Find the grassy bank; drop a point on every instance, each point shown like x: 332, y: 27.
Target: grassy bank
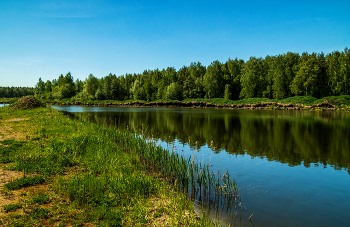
x: 8, y: 100
x: 77, y: 173
x: 300, y: 100
x: 306, y: 102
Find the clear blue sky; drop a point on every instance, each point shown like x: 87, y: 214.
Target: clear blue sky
x: 48, y: 38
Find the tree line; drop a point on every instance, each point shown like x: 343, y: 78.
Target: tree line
x: 274, y: 77
x: 15, y: 92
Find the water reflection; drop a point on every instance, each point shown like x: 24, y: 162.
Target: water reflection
x: 290, y: 137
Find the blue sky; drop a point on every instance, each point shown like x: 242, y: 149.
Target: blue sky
x: 48, y: 38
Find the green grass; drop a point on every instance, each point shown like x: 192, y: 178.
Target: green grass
x: 47, y: 164
x: 41, y: 199
x: 11, y: 207
x: 303, y: 100
x: 341, y: 101
x: 39, y: 213
x: 7, y: 148
x: 160, y: 212
x: 24, y: 182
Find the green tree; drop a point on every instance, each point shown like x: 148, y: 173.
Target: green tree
x: 39, y: 89
x: 99, y: 94
x: 232, y: 73
x: 107, y: 86
x: 48, y: 90
x: 91, y: 85
x: 344, y: 62
x: 67, y: 89
x: 267, y: 77
x: 60, y: 81
x: 304, y: 82
x: 79, y: 86
x: 116, y: 89
x: 322, y: 88
x: 227, y: 94
x: 174, y: 92
x: 333, y: 72
x: 279, y: 87
x: 11, y: 92
x: 48, y: 86
x: 213, y: 79
x: 190, y: 88
x: 252, y: 78
x: 138, y: 91
x: 182, y: 75
x: 170, y: 75
x: 290, y: 63
x: 149, y: 86
x: 127, y: 84
x: 193, y: 85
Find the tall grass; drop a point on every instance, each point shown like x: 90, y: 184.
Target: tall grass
x: 194, y: 178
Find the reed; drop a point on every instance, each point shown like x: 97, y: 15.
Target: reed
x: 186, y: 174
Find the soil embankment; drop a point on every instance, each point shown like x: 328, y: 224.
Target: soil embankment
x: 193, y: 104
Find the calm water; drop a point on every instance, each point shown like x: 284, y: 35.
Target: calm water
x: 292, y: 167
x: 1, y: 104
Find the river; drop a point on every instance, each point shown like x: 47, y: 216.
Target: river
x: 291, y: 167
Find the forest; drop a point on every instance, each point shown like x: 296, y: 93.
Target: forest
x: 15, y: 92
x: 274, y: 77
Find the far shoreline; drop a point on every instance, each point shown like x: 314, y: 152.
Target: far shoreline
x: 194, y: 104
x: 309, y: 103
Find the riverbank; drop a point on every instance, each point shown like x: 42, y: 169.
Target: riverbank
x: 8, y: 100
x: 58, y: 171
x: 292, y: 103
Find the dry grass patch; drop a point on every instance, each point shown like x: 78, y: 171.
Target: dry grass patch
x: 17, y: 119
x: 8, y: 197
x: 14, y: 128
x: 7, y: 132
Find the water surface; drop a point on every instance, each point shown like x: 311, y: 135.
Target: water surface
x: 292, y: 167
